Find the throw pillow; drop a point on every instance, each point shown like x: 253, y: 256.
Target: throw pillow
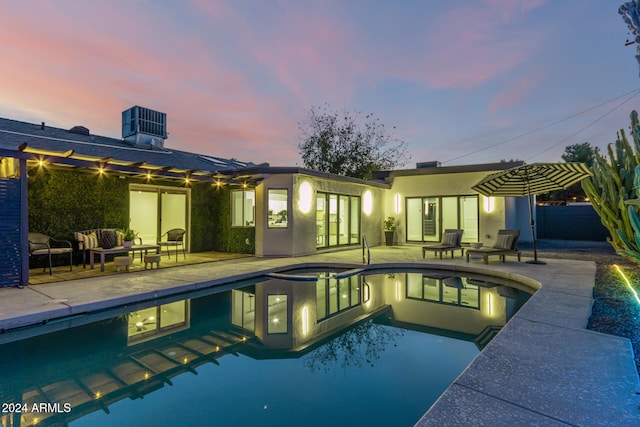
x: 86, y: 241
x: 90, y: 241
x: 108, y: 239
x: 449, y: 239
x: 503, y: 241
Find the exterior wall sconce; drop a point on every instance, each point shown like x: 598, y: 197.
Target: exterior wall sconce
x: 305, y: 320
x: 304, y: 202
x: 367, y: 202
x: 366, y: 294
x: 489, y: 204
x: 398, y: 207
x: 490, y: 305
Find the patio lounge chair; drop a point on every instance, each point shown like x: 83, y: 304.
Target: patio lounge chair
x: 43, y: 245
x: 175, y: 238
x: 506, y: 244
x: 450, y: 242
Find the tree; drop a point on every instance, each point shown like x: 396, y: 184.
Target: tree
x: 581, y: 153
x: 348, y: 144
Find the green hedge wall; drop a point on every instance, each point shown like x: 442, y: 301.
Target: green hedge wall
x: 61, y: 202
x: 209, y: 202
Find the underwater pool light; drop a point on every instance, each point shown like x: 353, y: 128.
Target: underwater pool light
x: 635, y: 294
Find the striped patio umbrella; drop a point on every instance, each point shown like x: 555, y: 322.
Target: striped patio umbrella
x: 527, y: 180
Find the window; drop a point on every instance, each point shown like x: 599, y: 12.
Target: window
x: 243, y: 204
x: 336, y: 295
x: 450, y: 290
x: 277, y: 314
x: 337, y: 220
x: 278, y: 208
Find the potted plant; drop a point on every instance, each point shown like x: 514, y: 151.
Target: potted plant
x: 389, y: 230
x: 129, y: 237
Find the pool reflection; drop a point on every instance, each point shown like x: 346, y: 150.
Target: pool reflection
x: 337, y: 323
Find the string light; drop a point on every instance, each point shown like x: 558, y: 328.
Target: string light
x: 633, y: 291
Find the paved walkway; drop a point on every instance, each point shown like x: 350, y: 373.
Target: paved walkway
x: 543, y: 368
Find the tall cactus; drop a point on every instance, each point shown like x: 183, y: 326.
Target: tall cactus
x: 614, y: 190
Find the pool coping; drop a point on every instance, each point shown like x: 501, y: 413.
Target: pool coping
x: 544, y: 367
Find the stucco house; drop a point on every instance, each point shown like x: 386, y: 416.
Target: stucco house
x: 59, y: 181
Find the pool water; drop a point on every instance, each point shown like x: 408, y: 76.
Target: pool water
x: 375, y: 349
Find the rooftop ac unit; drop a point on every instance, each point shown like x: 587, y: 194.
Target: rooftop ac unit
x: 142, y: 126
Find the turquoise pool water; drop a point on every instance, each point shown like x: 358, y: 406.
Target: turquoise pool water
x: 376, y: 349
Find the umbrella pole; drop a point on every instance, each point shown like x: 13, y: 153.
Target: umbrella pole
x: 533, y: 234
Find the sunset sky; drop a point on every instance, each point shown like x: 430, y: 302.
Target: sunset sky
x: 463, y: 81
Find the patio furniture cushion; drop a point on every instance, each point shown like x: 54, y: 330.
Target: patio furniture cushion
x: 506, y: 244
x: 87, y: 241
x: 449, y: 238
x: 450, y: 242
x: 503, y: 241
x: 119, y: 238
x: 108, y: 239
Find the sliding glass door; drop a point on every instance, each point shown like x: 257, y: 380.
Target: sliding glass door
x: 155, y: 210
x: 428, y: 217
x: 337, y: 220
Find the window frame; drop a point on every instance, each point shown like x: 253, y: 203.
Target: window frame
x: 287, y: 210
x: 440, y: 215
x: 244, y: 191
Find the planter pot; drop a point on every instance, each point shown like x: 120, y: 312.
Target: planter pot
x: 127, y: 243
x: 388, y: 237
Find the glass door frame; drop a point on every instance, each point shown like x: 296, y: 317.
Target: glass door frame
x: 353, y: 209
x: 159, y: 190
x: 439, y: 231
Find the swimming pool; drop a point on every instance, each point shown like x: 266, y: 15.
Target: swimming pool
x: 370, y: 349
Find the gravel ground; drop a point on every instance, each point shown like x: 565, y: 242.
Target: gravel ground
x: 615, y: 310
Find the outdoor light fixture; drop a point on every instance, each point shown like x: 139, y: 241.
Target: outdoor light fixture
x: 633, y: 291
x: 367, y: 202
x: 305, y: 192
x: 398, y: 290
x: 490, y: 305
x: 489, y: 204
x: 366, y: 297
x: 398, y: 203
x: 305, y: 320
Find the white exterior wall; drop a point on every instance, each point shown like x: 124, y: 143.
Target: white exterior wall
x: 299, y: 238
x: 449, y: 184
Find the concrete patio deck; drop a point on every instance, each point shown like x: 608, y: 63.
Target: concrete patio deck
x: 543, y: 368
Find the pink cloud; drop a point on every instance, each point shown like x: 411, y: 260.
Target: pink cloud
x: 472, y: 45
x: 512, y: 94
